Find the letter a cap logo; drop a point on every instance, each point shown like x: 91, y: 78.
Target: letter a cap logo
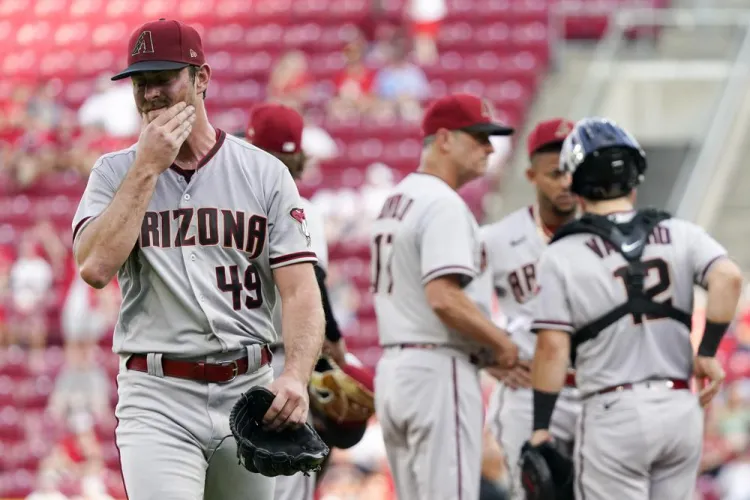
x: 161, y: 46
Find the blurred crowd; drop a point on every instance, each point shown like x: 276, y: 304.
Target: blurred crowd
x: 58, y: 328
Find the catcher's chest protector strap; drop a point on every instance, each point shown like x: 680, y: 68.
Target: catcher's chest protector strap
x: 630, y: 240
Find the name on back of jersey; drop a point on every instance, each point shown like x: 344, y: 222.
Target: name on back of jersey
x: 395, y: 207
x: 213, y: 227
x: 659, y: 236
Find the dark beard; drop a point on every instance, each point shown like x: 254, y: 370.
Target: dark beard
x: 564, y: 213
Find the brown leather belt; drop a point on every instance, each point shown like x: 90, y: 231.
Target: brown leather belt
x: 673, y: 384
x: 217, y: 373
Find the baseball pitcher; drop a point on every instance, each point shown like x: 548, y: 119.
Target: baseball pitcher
x: 426, y: 250
x: 277, y: 129
x: 200, y: 228
x: 514, y: 245
x: 615, y: 298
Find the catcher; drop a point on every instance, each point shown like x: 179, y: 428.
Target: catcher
x: 341, y: 391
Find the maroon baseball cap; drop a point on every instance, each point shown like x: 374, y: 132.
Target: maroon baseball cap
x: 275, y: 128
x: 548, y: 132
x: 465, y: 112
x: 163, y: 45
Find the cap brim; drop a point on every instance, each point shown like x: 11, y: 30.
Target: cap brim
x: 489, y: 129
x: 143, y: 66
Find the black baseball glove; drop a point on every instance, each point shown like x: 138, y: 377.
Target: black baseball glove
x: 546, y: 474
x: 271, y: 452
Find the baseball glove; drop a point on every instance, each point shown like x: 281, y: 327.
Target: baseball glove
x: 343, y: 394
x: 271, y: 452
x: 546, y: 474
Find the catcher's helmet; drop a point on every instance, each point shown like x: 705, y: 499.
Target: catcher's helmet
x: 605, y: 161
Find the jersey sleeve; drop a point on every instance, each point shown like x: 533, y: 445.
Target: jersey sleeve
x: 100, y: 189
x: 447, y: 243
x: 704, y: 252
x: 289, y: 236
x: 551, y: 307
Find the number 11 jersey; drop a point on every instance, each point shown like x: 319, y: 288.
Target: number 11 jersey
x: 424, y: 231
x: 199, y: 279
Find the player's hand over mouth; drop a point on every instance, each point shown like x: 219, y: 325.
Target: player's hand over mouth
x: 292, y: 402
x: 160, y: 140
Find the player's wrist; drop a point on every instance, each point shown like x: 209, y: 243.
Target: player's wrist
x: 713, y: 333
x: 544, y: 405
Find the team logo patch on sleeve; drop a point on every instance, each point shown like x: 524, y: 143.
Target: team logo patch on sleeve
x: 298, y: 215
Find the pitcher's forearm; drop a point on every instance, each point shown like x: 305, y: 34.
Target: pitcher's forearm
x: 108, y: 240
x: 302, y: 327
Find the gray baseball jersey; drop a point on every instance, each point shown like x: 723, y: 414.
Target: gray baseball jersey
x: 581, y: 278
x: 199, y: 280
x: 424, y: 231
x: 514, y: 245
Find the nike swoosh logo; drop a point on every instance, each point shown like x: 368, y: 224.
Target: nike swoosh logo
x: 631, y: 246
x: 518, y: 241
x: 608, y: 406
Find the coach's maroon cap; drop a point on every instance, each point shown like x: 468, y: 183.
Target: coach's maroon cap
x: 464, y: 112
x: 275, y: 128
x: 548, y: 132
x: 163, y: 45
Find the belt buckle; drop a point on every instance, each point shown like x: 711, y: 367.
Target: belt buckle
x: 235, y: 370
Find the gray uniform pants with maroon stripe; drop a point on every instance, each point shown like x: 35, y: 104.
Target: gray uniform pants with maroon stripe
x: 429, y: 404
x: 174, y: 438
x: 640, y: 444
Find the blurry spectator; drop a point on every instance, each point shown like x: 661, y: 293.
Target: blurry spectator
x: 13, y: 112
x: 426, y: 16
x: 99, y: 307
x: 354, y: 84
x: 31, y: 280
x: 318, y: 144
x: 47, y: 487
x: 378, y: 183
x: 44, y: 109
x: 48, y: 238
x: 289, y: 82
x: 78, y: 452
x: 111, y: 108
x: 344, y: 296
x: 733, y: 417
x: 93, y: 486
x: 386, y: 34
x: 402, y: 83
x: 81, y: 386
x: 734, y: 480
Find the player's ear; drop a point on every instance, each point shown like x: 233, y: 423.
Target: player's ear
x: 202, y: 77
x: 443, y: 140
x: 531, y: 174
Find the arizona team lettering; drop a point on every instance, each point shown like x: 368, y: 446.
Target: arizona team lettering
x: 659, y: 236
x: 184, y: 227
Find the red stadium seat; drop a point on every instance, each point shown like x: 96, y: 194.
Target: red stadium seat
x: 10, y: 424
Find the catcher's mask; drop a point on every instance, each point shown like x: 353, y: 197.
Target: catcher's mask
x: 341, y: 401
